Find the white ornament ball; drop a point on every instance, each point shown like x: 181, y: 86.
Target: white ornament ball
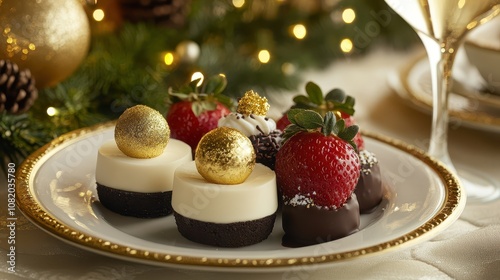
x: 188, y: 51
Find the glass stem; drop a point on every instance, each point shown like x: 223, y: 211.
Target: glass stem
x: 441, y: 57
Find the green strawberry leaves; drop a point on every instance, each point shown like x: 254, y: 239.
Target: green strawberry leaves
x: 215, y: 84
x: 309, y: 120
x: 335, y: 99
x: 306, y: 119
x: 199, y: 107
x: 203, y: 97
x: 314, y: 92
x: 340, y: 101
x: 349, y: 132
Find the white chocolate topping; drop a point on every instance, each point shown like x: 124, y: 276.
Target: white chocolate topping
x: 193, y: 197
x: 116, y: 170
x: 248, y: 124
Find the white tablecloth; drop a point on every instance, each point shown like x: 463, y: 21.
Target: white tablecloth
x: 469, y: 249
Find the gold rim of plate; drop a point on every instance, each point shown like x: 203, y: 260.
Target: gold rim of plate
x: 453, y: 201
x: 482, y: 46
x: 480, y: 118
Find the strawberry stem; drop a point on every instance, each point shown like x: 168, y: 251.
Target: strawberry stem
x: 203, y: 97
x: 311, y: 121
x: 334, y: 100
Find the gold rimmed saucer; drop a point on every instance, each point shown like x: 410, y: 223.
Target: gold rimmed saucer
x: 412, y: 83
x: 56, y: 191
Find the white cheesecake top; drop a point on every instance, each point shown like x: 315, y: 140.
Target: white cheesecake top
x: 193, y: 197
x: 116, y: 170
x: 248, y: 124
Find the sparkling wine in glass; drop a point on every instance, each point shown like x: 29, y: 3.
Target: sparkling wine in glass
x: 442, y: 26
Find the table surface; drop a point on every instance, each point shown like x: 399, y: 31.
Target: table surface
x: 468, y: 249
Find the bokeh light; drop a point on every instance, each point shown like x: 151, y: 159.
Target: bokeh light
x: 264, y: 56
x: 299, y: 31
x: 98, y: 14
x: 168, y: 58
x: 288, y: 68
x: 348, y: 15
x: 238, y: 3
x: 197, y: 75
x: 51, y: 111
x: 346, y: 45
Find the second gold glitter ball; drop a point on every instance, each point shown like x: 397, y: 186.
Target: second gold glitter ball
x: 225, y: 156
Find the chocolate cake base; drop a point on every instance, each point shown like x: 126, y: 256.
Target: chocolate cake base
x: 236, y: 234
x: 309, y: 225
x: 135, y: 204
x: 369, y: 190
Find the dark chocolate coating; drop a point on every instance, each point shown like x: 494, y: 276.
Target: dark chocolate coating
x: 369, y: 187
x: 309, y: 225
x: 236, y: 234
x: 135, y: 204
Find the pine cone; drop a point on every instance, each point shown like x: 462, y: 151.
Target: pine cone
x: 171, y: 13
x: 17, y: 88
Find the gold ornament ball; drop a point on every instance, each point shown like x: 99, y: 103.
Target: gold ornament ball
x: 49, y: 37
x: 142, y: 132
x: 225, y: 156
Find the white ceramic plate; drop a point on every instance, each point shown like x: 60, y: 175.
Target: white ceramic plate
x: 486, y: 57
x: 472, y: 109
x: 56, y: 191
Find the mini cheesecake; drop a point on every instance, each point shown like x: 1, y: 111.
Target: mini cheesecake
x: 224, y: 215
x: 138, y: 187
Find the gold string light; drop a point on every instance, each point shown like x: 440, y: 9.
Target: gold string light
x: 51, y: 111
x: 346, y: 45
x: 198, y: 75
x: 348, y: 15
x: 168, y: 58
x: 98, y: 14
x: 238, y: 3
x: 299, y: 31
x: 264, y: 56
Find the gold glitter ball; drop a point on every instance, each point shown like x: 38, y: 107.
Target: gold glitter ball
x: 142, y: 132
x: 225, y: 156
x: 253, y: 103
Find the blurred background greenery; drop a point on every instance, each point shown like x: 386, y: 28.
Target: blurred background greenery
x: 140, y: 48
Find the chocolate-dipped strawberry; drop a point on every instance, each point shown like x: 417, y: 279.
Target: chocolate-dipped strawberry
x: 317, y: 169
x: 336, y: 101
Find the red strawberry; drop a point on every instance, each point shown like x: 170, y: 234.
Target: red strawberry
x: 193, y: 113
x: 188, y: 127
x: 282, y: 123
x: 318, y: 162
x: 335, y: 100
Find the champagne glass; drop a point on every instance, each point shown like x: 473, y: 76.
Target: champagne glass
x: 442, y: 26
